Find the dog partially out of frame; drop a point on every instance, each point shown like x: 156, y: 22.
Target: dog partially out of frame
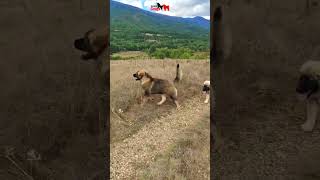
x: 152, y: 85
x: 93, y: 43
x: 308, y: 90
x: 206, y: 90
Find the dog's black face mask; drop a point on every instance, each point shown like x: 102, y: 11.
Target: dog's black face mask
x: 307, y: 85
x: 136, y: 76
x: 205, y: 88
x: 83, y: 44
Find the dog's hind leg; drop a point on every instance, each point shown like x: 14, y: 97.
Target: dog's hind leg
x: 163, y: 99
x: 312, y: 111
x: 175, y: 101
x: 143, y: 100
x: 177, y: 104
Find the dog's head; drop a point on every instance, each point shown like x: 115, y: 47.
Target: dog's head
x: 139, y: 74
x: 306, y: 86
x: 93, y: 43
x: 206, y: 87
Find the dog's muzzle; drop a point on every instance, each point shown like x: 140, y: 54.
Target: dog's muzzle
x: 206, y: 89
x: 136, y: 76
x: 80, y: 44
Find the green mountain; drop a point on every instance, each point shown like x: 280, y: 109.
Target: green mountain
x: 134, y: 29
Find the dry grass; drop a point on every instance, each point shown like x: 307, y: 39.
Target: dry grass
x: 187, y: 158
x: 48, y: 94
x: 125, y: 91
x: 190, y: 149
x: 131, y: 55
x: 261, y: 131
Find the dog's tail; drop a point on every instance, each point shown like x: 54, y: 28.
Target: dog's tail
x: 178, y: 74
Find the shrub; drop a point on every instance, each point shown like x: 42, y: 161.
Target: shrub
x: 115, y: 57
x: 180, y: 53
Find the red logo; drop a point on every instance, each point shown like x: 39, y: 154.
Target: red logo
x: 159, y: 7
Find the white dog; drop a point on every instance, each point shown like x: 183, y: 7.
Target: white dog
x: 308, y: 87
x: 206, y: 90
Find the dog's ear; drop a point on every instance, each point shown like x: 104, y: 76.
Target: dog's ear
x: 99, y: 41
x: 86, y: 34
x: 149, y: 76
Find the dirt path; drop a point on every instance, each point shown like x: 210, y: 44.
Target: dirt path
x: 153, y: 139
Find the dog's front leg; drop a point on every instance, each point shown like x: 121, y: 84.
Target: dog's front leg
x: 143, y: 100
x: 207, y: 98
x: 177, y: 104
x: 312, y: 111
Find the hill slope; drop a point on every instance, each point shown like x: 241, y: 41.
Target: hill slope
x: 136, y: 29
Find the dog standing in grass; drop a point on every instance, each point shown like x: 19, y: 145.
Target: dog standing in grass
x: 308, y: 90
x: 206, y: 90
x: 152, y: 85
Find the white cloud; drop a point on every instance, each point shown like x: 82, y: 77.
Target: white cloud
x: 181, y: 8
x: 206, y: 17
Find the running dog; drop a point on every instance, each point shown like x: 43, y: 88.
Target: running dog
x: 152, y: 85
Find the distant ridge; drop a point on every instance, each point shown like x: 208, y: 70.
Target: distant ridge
x: 119, y: 11
x: 130, y: 25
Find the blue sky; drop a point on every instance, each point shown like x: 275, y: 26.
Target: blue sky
x: 181, y: 8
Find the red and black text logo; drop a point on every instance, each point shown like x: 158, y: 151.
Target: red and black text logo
x: 158, y: 7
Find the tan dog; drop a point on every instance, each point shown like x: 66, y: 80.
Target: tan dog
x: 93, y: 42
x: 164, y: 87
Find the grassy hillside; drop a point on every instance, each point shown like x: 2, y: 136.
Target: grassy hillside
x: 134, y: 29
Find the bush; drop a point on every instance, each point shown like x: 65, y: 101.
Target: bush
x: 180, y: 53
x: 115, y: 57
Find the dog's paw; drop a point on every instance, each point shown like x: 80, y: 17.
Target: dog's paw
x: 307, y: 127
x: 159, y: 103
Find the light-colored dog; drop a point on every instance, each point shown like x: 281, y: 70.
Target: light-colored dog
x: 308, y: 90
x: 206, y: 90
